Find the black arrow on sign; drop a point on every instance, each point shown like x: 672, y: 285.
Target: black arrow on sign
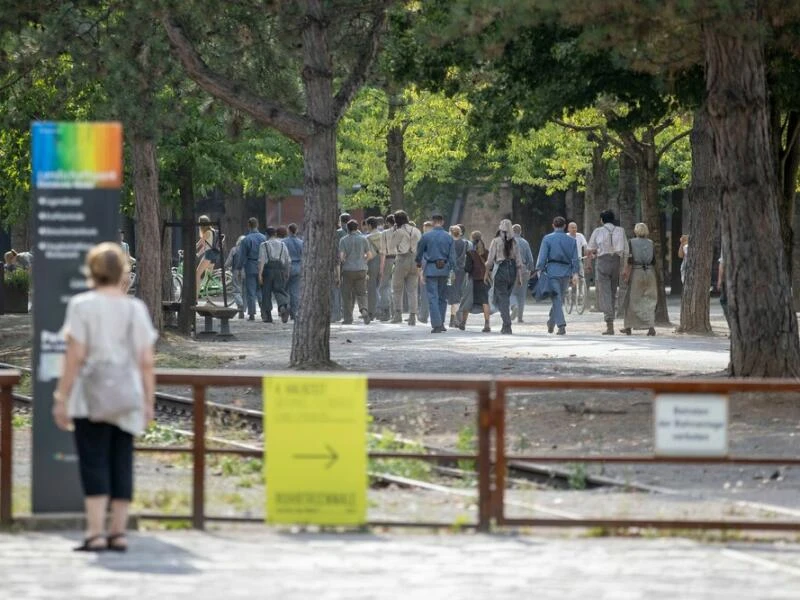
x: 331, y: 456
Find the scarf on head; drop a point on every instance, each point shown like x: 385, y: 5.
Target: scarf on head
x: 506, y: 229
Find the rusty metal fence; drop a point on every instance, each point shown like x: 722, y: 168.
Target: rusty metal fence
x: 491, y: 458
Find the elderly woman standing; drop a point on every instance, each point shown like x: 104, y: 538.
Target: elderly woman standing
x: 504, y: 254
x: 105, y: 394
x: 640, y: 309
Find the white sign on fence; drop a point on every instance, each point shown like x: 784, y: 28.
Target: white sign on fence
x: 691, y: 425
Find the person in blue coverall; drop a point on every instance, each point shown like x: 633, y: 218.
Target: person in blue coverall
x: 557, y: 262
x: 437, y: 250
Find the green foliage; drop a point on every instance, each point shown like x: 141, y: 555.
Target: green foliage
x: 555, y: 157
x: 577, y: 476
x: 17, y: 280
x: 160, y: 435
x: 466, y: 443
x: 402, y: 467
x: 21, y: 421
x: 436, y: 138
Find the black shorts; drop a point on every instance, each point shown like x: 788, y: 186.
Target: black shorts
x: 105, y: 459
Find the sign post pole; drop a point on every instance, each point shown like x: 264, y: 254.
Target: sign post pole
x: 77, y: 175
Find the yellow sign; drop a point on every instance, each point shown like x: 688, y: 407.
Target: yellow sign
x: 316, y: 449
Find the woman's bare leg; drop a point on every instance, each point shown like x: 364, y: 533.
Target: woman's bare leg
x: 95, y: 507
x: 202, y: 267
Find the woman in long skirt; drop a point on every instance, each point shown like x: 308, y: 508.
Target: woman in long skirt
x: 475, y: 296
x: 456, y: 288
x: 640, y: 305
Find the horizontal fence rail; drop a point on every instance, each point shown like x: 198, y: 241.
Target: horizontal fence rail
x: 491, y: 458
x: 658, y: 385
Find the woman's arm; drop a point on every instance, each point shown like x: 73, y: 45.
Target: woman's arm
x: 73, y: 361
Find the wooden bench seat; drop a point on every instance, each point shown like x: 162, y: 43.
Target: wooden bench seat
x: 210, y: 312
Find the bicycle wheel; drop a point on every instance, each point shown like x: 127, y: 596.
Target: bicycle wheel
x: 583, y: 293
x: 177, y: 287
x: 569, y: 299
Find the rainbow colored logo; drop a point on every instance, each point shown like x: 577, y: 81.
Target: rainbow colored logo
x: 76, y: 155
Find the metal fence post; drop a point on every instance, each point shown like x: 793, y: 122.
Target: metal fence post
x: 499, y: 423
x: 6, y: 439
x: 199, y: 455
x: 484, y: 459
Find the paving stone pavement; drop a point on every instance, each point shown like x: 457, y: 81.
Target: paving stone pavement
x: 263, y: 563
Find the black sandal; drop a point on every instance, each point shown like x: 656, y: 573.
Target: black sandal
x: 88, y: 547
x: 117, y: 547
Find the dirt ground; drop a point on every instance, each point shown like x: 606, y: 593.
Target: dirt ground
x: 547, y: 422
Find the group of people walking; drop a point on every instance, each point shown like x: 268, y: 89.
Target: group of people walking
x: 266, y: 266
x: 386, y: 266
x: 390, y: 267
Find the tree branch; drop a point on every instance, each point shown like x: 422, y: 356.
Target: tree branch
x: 792, y: 131
x: 576, y: 127
x: 662, y: 127
x: 670, y: 143
x: 359, y: 72
x: 294, y: 126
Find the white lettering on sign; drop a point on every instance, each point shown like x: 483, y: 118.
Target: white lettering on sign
x: 691, y: 425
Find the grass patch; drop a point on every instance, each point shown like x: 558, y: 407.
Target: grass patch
x: 466, y: 443
x: 163, y: 501
x: 25, y: 385
x: 577, y: 476
x: 159, y: 435
x: 169, y: 358
x: 401, y: 467
x: 19, y: 421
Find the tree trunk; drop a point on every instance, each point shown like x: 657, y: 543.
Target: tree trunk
x: 596, y: 197
x: 148, y: 225
x: 311, y: 335
x: 188, y: 239
x: 647, y: 162
x: 677, y: 229
x: 627, y: 196
x: 704, y: 207
x: 166, y: 214
x: 235, y: 218
x: 600, y: 183
x: 396, y: 156
x: 575, y: 205
x: 764, y: 337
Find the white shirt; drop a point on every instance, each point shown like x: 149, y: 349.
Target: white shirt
x: 608, y: 239
x: 581, y: 243
x: 115, y: 328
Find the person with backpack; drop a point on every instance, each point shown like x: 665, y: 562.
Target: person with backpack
x: 208, y: 251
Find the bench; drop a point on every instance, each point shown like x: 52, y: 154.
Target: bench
x: 172, y: 311
x: 210, y: 312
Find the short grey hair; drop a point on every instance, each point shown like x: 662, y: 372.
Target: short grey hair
x: 641, y: 230
x: 517, y: 228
